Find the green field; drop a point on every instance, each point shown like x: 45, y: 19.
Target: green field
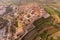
x: 49, y: 21
x: 44, y: 23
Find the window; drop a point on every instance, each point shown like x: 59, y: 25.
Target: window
x: 21, y: 19
x: 32, y: 12
x: 38, y: 15
x: 28, y: 16
x: 28, y: 20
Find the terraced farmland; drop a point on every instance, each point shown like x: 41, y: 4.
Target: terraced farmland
x: 45, y: 27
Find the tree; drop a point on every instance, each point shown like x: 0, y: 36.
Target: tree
x: 51, y: 38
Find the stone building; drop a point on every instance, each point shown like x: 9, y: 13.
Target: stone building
x: 25, y: 15
x: 8, y: 31
x: 3, y: 27
x: 28, y: 14
x: 31, y: 13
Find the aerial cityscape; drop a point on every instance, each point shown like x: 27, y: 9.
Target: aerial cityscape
x: 29, y: 19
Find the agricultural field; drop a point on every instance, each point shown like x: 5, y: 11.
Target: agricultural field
x: 47, y: 27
